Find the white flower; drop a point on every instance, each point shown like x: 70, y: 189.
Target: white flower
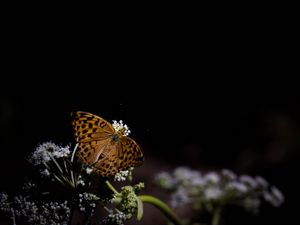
x: 275, y: 197
x: 117, y: 218
x: 237, y: 186
x: 45, y: 173
x: 39, y: 212
x: 118, y: 126
x: 122, y: 175
x: 4, y: 204
x: 80, y: 181
x: 179, y: 198
x: 164, y: 179
x: 212, y: 193
x: 186, y: 176
x: 43, y: 153
x: 87, y: 202
x: 248, y: 181
x: 261, y: 181
x: 212, y: 177
x: 89, y: 170
x: 228, y: 174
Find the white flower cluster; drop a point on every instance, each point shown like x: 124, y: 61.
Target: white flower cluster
x: 212, y: 189
x: 119, y: 126
x: 121, y: 176
x: 4, y: 204
x: 117, y: 218
x: 45, y: 151
x: 80, y: 181
x: 23, y: 209
x: 87, y: 203
x: 28, y: 186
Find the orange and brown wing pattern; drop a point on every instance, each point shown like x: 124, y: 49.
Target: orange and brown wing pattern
x: 130, y: 154
x: 89, y: 127
x: 90, y: 152
x: 108, y: 163
x: 101, y: 147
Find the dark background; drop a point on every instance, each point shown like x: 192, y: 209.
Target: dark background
x: 210, y: 97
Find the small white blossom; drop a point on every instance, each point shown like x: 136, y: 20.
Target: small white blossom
x: 237, y: 186
x: 212, y: 177
x: 184, y: 175
x: 261, y: 181
x: 165, y: 180
x: 122, y: 175
x: 117, y: 218
x: 87, y: 202
x: 228, y: 174
x: 179, y: 198
x: 248, y: 181
x: 80, y: 181
x: 89, y: 170
x: 41, y: 213
x: 212, y: 193
x: 29, y: 186
x: 119, y: 126
x: 45, y: 172
x: 275, y: 197
x: 4, y: 204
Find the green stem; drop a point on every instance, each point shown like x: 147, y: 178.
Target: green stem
x: 111, y: 187
x: 72, y: 161
x: 73, y: 153
x: 216, y: 216
x: 161, y: 206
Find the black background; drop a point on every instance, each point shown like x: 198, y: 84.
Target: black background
x: 206, y: 96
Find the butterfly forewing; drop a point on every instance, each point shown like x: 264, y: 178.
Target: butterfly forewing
x: 90, y: 127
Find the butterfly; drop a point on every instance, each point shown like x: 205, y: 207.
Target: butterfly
x: 103, y: 148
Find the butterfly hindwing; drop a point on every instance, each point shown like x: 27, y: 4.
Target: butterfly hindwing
x: 131, y: 155
x: 109, y: 164
x: 90, y: 152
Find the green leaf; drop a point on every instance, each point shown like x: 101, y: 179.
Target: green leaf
x: 140, y: 209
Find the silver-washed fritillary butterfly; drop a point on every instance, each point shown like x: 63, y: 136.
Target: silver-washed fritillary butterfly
x: 103, y: 148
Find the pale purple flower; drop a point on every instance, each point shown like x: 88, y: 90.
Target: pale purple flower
x: 213, y: 193
x: 237, y: 186
x: 179, y: 198
x: 248, y: 181
x: 228, y: 174
x: 212, y: 177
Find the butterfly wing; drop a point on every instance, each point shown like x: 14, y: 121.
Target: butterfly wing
x: 130, y: 153
x: 93, y: 134
x: 121, y: 155
x: 109, y: 161
x: 90, y: 127
x: 90, y: 152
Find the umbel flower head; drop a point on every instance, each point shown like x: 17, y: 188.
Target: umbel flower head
x: 212, y: 190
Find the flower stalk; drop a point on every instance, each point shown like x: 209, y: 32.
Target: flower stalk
x: 161, y: 206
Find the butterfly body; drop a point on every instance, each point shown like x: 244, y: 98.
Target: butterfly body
x: 103, y: 148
